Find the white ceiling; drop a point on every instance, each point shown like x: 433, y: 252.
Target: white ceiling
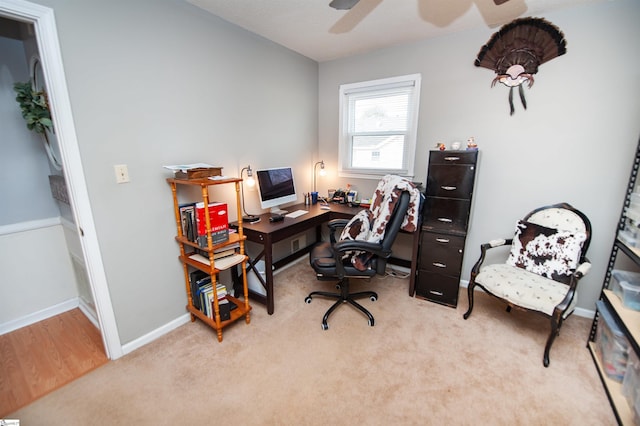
x: 313, y: 29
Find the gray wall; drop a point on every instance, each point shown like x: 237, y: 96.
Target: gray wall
x: 162, y: 82
x: 575, y: 143
x: 24, y: 168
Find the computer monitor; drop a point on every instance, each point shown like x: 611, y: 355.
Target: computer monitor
x: 276, y: 187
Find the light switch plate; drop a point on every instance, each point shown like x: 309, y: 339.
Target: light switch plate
x: 122, y: 173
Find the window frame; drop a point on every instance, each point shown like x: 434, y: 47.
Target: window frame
x: 346, y: 92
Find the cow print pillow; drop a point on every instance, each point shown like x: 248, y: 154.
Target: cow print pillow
x: 548, y: 252
x: 358, y: 228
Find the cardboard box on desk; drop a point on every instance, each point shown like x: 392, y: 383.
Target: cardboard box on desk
x: 218, y: 219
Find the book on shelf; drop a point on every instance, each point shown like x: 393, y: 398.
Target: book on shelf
x: 207, y: 295
x: 188, y: 220
x: 197, y: 279
x: 234, y: 246
x: 218, y: 222
x: 220, y: 254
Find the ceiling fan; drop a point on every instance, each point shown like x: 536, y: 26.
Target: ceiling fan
x: 348, y: 4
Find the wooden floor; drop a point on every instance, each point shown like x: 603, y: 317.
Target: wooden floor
x: 42, y: 357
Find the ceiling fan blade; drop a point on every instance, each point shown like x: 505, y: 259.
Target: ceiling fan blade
x: 343, y: 4
x: 499, y: 2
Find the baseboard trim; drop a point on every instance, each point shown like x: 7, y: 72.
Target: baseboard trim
x: 172, y: 325
x: 89, y: 312
x: 581, y: 312
x: 153, y: 335
x: 43, y: 314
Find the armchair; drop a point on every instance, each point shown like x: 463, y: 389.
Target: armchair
x: 546, y: 262
x: 365, y: 243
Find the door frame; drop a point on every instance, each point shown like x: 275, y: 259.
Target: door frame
x: 46, y: 35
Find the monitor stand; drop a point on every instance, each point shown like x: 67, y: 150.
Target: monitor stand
x: 278, y: 211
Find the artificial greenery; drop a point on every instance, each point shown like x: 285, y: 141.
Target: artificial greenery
x: 34, y: 107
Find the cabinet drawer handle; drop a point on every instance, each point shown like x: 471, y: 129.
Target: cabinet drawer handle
x: 451, y: 158
x: 439, y: 265
x: 445, y: 219
x: 437, y: 293
x: 449, y: 188
x: 442, y: 240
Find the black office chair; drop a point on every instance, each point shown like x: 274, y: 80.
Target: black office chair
x: 352, y: 258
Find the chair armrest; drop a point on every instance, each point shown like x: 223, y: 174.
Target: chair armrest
x: 483, y: 252
x: 337, y: 223
x: 497, y: 243
x: 334, y: 225
x: 580, y: 272
x: 583, y: 269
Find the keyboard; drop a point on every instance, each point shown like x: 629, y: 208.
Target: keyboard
x: 296, y: 213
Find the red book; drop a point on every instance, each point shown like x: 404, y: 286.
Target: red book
x: 218, y: 220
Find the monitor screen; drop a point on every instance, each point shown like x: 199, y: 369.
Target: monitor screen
x: 276, y: 187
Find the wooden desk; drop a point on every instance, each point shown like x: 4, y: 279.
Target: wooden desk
x: 267, y: 233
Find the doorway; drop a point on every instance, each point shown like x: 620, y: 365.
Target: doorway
x: 43, y: 21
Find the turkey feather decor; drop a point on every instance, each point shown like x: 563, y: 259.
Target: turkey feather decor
x: 518, y: 49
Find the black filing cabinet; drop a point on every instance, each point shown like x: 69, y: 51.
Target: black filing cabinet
x: 445, y: 220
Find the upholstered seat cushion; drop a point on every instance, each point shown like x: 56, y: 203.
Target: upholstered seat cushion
x: 524, y: 288
x: 323, y: 262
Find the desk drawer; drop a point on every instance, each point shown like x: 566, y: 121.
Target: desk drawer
x: 441, y: 253
x: 437, y: 288
x: 450, y: 181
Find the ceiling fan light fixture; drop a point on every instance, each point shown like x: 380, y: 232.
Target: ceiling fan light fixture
x: 343, y: 4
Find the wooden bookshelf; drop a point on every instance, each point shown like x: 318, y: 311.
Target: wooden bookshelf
x: 188, y: 247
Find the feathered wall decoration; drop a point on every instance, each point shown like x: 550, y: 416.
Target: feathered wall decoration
x: 518, y: 49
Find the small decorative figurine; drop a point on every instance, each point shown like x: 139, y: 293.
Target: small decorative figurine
x: 471, y: 144
x: 441, y: 146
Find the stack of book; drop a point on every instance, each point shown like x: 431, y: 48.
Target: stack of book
x: 223, y: 258
x: 194, y: 171
x: 192, y: 217
x: 202, y: 294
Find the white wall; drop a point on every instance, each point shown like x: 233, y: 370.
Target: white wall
x: 575, y: 143
x: 162, y: 82
x: 36, y: 269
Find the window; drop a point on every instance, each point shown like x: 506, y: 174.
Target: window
x: 378, y: 126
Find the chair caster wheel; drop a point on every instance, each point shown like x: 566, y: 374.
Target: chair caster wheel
x: 325, y: 326
x: 337, y: 286
x: 373, y: 298
x: 307, y: 300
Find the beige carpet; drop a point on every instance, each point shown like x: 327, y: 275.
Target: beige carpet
x: 420, y: 364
